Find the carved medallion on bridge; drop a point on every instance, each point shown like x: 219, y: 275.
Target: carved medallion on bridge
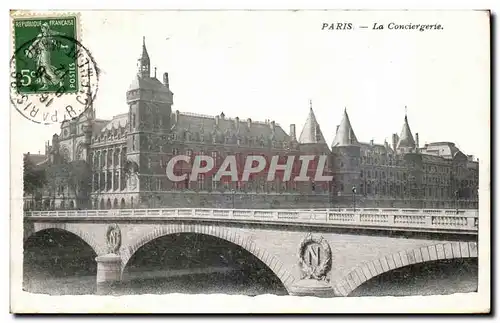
x: 113, y: 238
x: 315, y: 258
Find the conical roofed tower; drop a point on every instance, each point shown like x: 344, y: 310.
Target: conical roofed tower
x: 345, y: 135
x: 406, y: 138
x: 311, y: 132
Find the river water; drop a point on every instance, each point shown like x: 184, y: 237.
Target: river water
x: 438, y: 279
x: 214, y: 280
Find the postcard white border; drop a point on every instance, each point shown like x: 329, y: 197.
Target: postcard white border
x: 209, y: 303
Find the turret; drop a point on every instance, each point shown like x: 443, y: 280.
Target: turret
x: 345, y: 134
x: 143, y: 63
x: 311, y: 132
x: 311, y: 139
x: 406, y: 142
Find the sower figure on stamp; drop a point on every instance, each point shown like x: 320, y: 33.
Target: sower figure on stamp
x: 40, y: 50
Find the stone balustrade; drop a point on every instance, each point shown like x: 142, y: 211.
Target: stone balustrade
x: 429, y: 219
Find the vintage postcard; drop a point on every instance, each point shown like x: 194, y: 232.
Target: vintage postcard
x: 250, y: 161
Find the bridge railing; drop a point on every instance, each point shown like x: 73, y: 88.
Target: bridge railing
x: 401, y: 218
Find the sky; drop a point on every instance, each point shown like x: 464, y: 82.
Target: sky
x: 269, y: 64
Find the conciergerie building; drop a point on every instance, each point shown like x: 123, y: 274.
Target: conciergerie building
x: 122, y: 162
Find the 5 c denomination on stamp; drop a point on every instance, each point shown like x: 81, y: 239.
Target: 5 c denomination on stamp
x: 53, y: 76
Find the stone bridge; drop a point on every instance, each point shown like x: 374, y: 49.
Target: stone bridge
x: 362, y: 243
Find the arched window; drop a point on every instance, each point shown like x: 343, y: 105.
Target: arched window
x: 122, y: 204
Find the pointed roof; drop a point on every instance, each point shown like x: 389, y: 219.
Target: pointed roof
x: 147, y: 83
x: 311, y: 132
x: 345, y: 135
x: 406, y: 138
x: 144, y: 55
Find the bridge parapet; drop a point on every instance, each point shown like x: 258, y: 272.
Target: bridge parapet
x: 405, y: 219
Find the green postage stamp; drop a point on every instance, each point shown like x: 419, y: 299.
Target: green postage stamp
x: 42, y: 59
x: 53, y: 76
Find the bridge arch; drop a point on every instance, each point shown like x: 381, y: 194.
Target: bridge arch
x: 89, y: 239
x: 272, y: 262
x: 369, y: 270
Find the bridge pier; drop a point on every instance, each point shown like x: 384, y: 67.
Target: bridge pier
x: 108, y: 273
x: 311, y: 287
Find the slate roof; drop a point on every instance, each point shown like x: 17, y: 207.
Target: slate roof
x: 221, y: 125
x: 147, y: 83
x: 118, y: 121
x: 377, y: 147
x: 345, y: 135
x: 406, y: 138
x: 446, y: 150
x: 311, y: 132
x: 98, y: 124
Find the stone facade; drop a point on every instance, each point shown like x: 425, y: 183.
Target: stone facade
x: 438, y: 175
x: 128, y: 157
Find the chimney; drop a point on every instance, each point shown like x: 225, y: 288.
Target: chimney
x: 165, y: 79
x: 237, y: 122
x: 249, y: 122
x: 395, y: 139
x: 416, y: 140
x: 55, y: 142
x: 371, y: 142
x: 217, y: 120
x: 176, y: 115
x: 273, y: 125
x: 292, y: 132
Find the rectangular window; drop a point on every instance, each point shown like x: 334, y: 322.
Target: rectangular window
x: 214, y: 183
x: 201, y: 182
